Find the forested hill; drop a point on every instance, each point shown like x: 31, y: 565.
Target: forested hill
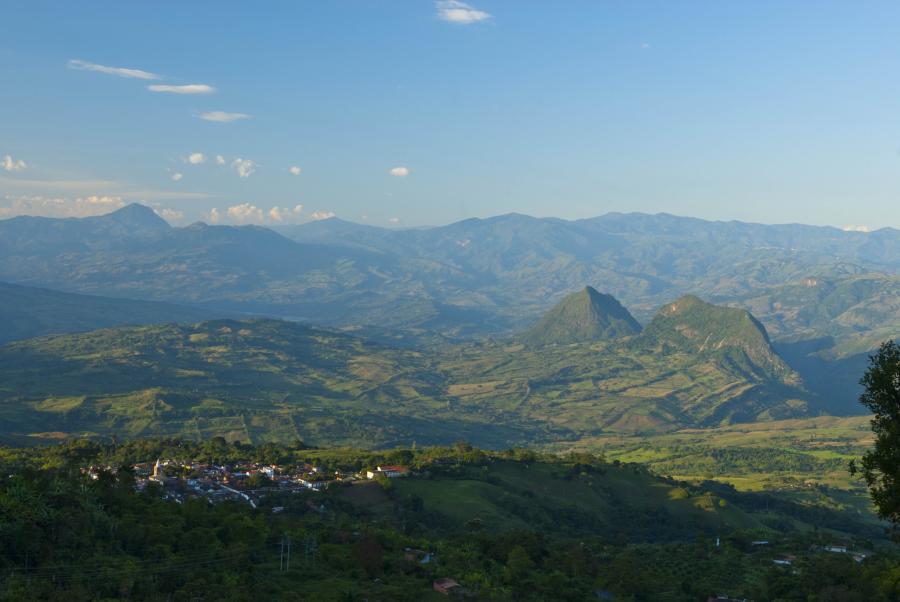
x: 508, y: 526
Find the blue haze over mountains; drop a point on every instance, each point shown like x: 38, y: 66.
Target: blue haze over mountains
x: 826, y: 296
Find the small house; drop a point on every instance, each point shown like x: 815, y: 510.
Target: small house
x: 391, y: 472
x: 446, y: 586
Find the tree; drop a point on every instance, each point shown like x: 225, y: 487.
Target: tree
x: 368, y: 555
x: 880, y: 466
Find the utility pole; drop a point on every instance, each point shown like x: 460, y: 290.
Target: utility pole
x: 285, y: 564
x: 289, y: 552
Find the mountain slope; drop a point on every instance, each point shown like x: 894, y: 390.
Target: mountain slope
x: 251, y: 380
x: 583, y: 316
x: 264, y: 380
x: 695, y: 326
x: 27, y: 312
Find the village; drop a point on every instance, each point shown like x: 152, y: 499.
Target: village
x: 242, y: 481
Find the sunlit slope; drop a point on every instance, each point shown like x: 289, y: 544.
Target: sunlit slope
x: 583, y: 316
x: 264, y: 380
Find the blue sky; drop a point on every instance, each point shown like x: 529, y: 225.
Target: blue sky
x: 764, y: 111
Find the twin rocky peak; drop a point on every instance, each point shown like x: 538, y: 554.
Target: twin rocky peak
x: 687, y: 324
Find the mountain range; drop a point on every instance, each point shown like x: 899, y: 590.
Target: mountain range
x: 826, y: 296
x: 475, y: 277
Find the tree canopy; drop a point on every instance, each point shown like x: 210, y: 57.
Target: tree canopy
x: 880, y: 466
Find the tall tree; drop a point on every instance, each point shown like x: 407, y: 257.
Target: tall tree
x: 880, y: 466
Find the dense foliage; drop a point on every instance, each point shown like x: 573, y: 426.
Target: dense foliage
x: 881, y: 466
x: 66, y: 536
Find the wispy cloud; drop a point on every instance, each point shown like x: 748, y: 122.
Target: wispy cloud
x: 118, y: 71
x: 320, y: 215
x: 394, y: 220
x: 461, y: 13
x: 222, y: 116
x: 66, y: 185
x: 220, y: 160
x: 244, y: 167
x: 183, y: 89
x: 59, y: 206
x: 10, y: 164
x: 195, y: 158
x: 400, y: 172
x: 177, y: 176
x: 92, y: 188
x: 295, y: 171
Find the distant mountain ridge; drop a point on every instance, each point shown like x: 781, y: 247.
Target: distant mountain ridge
x: 27, y: 312
x: 583, y: 316
x: 477, y: 277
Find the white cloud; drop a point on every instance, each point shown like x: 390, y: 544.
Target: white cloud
x: 43, y: 206
x: 295, y: 170
x: 461, y: 13
x: 222, y: 116
x: 285, y: 215
x: 220, y: 160
x: 195, y: 158
x: 645, y: 45
x: 852, y: 228
x: 185, y: 89
x: 246, y: 213
x: 10, y: 164
x: 400, y: 172
x: 177, y: 176
x: 119, y: 71
x: 317, y: 215
x: 170, y: 215
x: 244, y: 167
x: 394, y: 220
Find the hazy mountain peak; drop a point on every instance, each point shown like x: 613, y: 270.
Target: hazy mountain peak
x: 583, y: 316
x: 136, y: 215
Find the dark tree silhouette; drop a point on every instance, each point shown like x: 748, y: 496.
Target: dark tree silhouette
x: 880, y: 466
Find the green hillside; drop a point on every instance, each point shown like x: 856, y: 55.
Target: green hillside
x: 262, y: 380
x: 584, y: 316
x: 252, y: 380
